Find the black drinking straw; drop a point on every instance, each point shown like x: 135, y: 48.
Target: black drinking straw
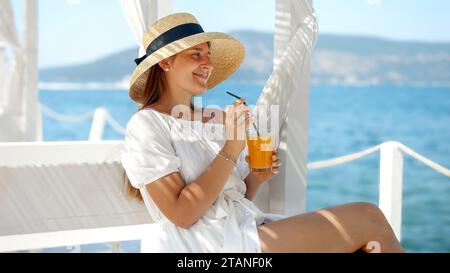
x: 254, y: 126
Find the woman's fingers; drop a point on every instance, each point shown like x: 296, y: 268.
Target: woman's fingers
x: 276, y: 161
x: 241, y: 110
x: 244, y: 121
x: 236, y: 112
x: 239, y: 102
x: 232, y: 109
x: 238, y: 117
x: 244, y: 116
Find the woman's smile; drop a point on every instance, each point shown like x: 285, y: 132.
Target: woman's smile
x: 202, y: 78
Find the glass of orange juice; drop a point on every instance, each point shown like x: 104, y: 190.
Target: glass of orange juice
x: 260, y: 151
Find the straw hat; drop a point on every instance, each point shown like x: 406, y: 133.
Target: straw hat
x: 175, y: 33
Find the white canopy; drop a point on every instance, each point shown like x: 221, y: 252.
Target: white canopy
x: 141, y: 13
x: 20, y: 115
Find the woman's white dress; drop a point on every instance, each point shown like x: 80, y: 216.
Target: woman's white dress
x: 157, y: 144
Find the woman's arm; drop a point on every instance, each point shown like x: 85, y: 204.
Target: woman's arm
x: 183, y: 204
x: 253, y: 185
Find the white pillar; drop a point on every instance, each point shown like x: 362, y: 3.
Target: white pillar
x: 32, y: 111
x: 115, y: 247
x: 98, y: 124
x: 391, y: 185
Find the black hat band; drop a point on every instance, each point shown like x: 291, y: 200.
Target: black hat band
x: 172, y: 35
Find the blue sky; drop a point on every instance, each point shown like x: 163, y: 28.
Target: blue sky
x: 76, y: 31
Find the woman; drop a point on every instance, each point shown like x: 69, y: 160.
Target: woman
x: 198, y: 189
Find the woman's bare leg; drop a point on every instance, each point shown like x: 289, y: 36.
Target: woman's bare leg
x: 345, y: 228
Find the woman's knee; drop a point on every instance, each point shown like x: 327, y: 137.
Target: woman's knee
x: 370, y: 210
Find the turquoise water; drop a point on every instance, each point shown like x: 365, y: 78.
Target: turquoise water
x: 342, y: 120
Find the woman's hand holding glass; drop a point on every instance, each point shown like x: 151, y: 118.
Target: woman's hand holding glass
x: 267, y: 174
x: 237, y: 120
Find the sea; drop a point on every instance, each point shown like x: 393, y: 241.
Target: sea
x: 342, y: 120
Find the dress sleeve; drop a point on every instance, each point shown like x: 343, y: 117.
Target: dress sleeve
x: 148, y: 153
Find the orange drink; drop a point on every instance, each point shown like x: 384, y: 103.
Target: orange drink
x: 260, y: 151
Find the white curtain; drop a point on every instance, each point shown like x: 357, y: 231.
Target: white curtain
x: 288, y: 88
x: 7, y: 25
x: 10, y: 106
x: 20, y: 117
x: 2, y: 73
x: 141, y: 13
x: 7, y: 36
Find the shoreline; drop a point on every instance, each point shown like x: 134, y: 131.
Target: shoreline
x: 123, y: 86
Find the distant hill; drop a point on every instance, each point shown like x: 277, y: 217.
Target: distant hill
x: 366, y: 60
x: 351, y: 60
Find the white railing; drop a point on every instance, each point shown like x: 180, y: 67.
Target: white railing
x: 27, y: 242
x: 391, y: 176
x: 99, y: 117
